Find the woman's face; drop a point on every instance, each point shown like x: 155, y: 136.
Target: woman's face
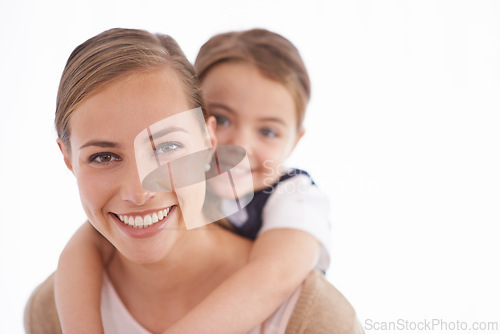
x: 253, y: 112
x: 142, y: 225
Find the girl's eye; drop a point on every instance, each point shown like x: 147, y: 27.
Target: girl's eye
x: 222, y: 120
x: 268, y: 133
x: 168, y: 147
x: 103, y: 158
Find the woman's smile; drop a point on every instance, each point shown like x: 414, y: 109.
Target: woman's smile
x: 143, y: 220
x: 146, y: 224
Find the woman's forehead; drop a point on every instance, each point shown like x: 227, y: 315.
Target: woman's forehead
x: 131, y: 104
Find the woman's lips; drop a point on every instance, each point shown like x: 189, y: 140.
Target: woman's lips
x: 145, y: 220
x: 144, y: 225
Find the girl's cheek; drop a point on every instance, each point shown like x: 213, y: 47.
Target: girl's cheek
x: 221, y: 136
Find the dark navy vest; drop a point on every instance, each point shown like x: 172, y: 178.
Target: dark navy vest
x: 254, y: 209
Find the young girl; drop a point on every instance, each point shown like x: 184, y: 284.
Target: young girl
x: 257, y: 87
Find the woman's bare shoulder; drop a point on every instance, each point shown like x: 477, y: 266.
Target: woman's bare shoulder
x: 321, y: 308
x: 40, y: 314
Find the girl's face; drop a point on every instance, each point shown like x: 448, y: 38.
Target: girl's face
x: 254, y: 112
x: 103, y: 160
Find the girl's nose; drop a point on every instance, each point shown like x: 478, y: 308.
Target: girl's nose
x: 243, y: 139
x: 132, y: 190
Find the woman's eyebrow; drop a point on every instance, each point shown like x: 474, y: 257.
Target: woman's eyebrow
x: 163, y: 132
x: 100, y: 143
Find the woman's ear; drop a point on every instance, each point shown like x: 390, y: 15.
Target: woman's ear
x: 211, y: 124
x: 65, y: 152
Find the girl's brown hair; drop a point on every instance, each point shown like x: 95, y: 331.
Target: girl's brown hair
x: 274, y: 55
x: 111, y: 55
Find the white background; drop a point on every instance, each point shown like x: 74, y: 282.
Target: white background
x: 403, y: 134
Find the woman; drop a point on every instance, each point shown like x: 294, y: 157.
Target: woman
x: 114, y: 86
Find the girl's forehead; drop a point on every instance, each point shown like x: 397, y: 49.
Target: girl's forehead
x: 244, y: 89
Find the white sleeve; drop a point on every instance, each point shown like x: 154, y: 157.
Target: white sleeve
x: 298, y: 204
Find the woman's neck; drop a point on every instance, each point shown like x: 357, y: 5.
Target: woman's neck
x: 158, y: 294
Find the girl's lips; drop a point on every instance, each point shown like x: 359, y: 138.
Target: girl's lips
x: 145, y: 225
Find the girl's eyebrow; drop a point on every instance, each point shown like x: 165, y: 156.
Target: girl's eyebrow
x: 229, y: 110
x: 220, y: 106
x: 100, y: 143
x: 272, y: 119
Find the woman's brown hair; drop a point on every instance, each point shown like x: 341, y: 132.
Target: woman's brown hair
x: 111, y: 55
x: 274, y: 55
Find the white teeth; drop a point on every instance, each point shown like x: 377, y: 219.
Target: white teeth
x: 139, y: 222
x: 144, y: 221
x: 147, y: 220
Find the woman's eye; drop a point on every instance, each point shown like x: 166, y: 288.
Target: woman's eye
x: 168, y: 147
x: 103, y: 158
x: 268, y: 133
x: 222, y: 120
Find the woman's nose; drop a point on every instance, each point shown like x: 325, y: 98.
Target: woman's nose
x: 131, y: 189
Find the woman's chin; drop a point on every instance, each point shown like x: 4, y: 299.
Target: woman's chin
x: 148, y: 251
x: 150, y: 244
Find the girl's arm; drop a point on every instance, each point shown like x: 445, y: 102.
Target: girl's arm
x: 279, y: 261
x: 78, y: 281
